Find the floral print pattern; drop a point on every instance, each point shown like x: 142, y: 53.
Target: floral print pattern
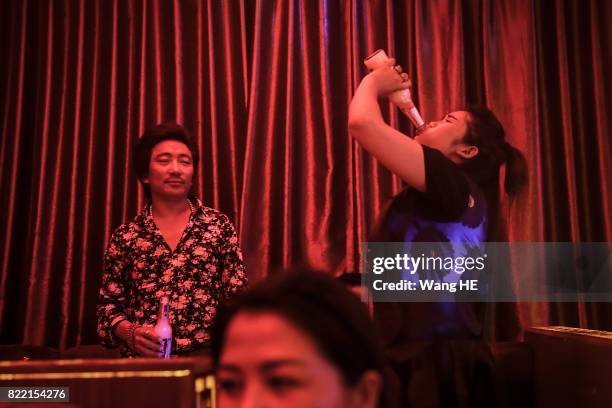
x: 139, y: 268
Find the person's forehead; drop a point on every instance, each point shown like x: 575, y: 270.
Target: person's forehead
x: 171, y: 146
x: 265, y: 326
x: 460, y: 115
x: 266, y: 336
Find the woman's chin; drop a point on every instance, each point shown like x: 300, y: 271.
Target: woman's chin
x: 419, y: 138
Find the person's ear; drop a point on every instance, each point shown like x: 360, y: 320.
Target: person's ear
x: 367, y: 390
x: 467, y: 152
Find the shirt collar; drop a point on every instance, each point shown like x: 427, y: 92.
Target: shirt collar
x: 197, y: 208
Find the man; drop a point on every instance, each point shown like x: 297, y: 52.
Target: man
x: 175, y: 247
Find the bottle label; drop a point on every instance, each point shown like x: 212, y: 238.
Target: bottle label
x: 404, y: 96
x: 167, y: 347
x: 165, y: 310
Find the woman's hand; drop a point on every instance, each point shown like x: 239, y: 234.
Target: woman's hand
x: 388, y: 79
x: 146, y: 342
x: 398, y: 153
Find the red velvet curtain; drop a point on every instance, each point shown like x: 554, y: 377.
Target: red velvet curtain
x: 265, y: 86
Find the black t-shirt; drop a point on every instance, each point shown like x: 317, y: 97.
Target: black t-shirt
x: 452, y: 209
x: 452, y: 213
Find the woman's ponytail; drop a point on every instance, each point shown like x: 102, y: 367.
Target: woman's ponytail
x: 516, y: 170
x: 486, y: 132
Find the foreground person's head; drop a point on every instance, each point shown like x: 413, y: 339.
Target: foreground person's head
x: 298, y: 340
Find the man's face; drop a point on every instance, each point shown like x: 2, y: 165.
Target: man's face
x: 170, y: 170
x: 446, y: 135
x: 268, y: 362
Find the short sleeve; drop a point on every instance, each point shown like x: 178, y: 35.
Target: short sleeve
x: 447, y: 189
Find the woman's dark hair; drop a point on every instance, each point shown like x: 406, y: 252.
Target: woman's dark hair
x: 331, y: 315
x: 487, y: 133
x: 155, y: 135
x: 350, y: 279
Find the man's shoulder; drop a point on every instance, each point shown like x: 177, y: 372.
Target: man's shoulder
x: 131, y: 228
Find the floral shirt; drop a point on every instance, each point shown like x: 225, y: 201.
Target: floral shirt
x: 139, y: 268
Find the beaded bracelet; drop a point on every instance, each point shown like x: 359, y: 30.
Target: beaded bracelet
x: 117, y: 323
x: 131, y: 336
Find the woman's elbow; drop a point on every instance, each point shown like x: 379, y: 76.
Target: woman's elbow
x: 357, y: 125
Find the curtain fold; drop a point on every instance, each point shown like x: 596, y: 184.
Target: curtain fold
x: 264, y: 87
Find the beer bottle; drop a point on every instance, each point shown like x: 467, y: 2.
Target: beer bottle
x: 163, y: 329
x: 402, y: 99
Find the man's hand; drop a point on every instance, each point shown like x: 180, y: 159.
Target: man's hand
x: 146, y: 343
